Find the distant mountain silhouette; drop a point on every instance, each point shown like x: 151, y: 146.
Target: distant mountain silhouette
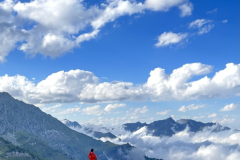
x: 97, y: 134
x: 71, y: 124
x: 169, y: 127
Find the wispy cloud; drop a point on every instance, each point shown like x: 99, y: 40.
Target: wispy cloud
x: 163, y: 112
x: 212, y: 11
x: 190, y: 107
x: 203, y: 25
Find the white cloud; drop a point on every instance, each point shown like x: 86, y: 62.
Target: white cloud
x: 136, y: 111
x: 227, y: 121
x: 199, y: 23
x: 212, y: 11
x: 225, y: 21
x: 55, y: 27
x: 190, y: 107
x: 113, y: 91
x: 184, y: 145
x: 94, y: 110
x: 84, y: 86
x: 198, y: 117
x: 229, y: 107
x: 168, y: 38
x: 205, y: 29
x: 115, y: 9
x: 68, y: 111
x: 111, y: 107
x: 9, y: 35
x: 163, y: 112
x: 163, y: 5
x: 51, y: 109
x: 203, y: 25
x: 212, y: 115
x: 186, y: 9
x: 177, y: 85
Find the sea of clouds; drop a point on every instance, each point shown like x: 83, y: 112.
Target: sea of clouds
x: 184, y: 145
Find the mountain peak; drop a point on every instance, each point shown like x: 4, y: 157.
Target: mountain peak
x: 170, y: 119
x: 5, y: 94
x: 71, y: 124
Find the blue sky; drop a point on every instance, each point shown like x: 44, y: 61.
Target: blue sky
x: 124, y: 49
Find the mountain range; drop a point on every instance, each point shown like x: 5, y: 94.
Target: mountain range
x: 169, y: 126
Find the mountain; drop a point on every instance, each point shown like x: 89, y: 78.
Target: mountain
x: 8, y: 151
x: 97, y: 132
x: 71, y: 124
x: 147, y: 158
x: 27, y: 126
x: 104, y: 135
x: 169, y: 127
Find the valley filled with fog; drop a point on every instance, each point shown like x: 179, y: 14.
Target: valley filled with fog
x: 207, y: 144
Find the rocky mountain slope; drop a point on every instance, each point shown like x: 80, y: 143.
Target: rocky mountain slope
x: 8, y: 151
x: 26, y: 125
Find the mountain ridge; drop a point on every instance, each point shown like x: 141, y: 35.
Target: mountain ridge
x: 169, y: 126
x: 17, y: 116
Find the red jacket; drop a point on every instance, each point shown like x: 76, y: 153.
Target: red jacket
x: 92, y: 156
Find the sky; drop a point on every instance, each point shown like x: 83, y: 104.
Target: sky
x: 114, y: 61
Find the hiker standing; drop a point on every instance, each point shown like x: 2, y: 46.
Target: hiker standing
x: 91, y: 155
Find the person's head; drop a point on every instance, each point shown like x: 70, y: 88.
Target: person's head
x: 92, y: 150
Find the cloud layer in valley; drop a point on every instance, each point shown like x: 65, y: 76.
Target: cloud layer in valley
x: 84, y: 86
x: 184, y: 145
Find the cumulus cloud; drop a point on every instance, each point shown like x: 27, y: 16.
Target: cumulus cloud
x: 111, y: 107
x: 95, y: 110
x: 51, y: 109
x: 229, y: 107
x: 227, y: 121
x: 112, y: 91
x: 163, y: 5
x: 84, y: 86
x: 9, y: 35
x: 203, y: 25
x: 54, y: 27
x: 168, y: 38
x: 186, y: 9
x: 68, y: 111
x: 212, y: 115
x: 134, y: 112
x: 163, y: 112
x: 190, y: 107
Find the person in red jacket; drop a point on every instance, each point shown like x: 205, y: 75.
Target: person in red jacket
x: 92, y: 156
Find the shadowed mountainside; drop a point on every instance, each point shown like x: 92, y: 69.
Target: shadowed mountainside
x: 27, y: 126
